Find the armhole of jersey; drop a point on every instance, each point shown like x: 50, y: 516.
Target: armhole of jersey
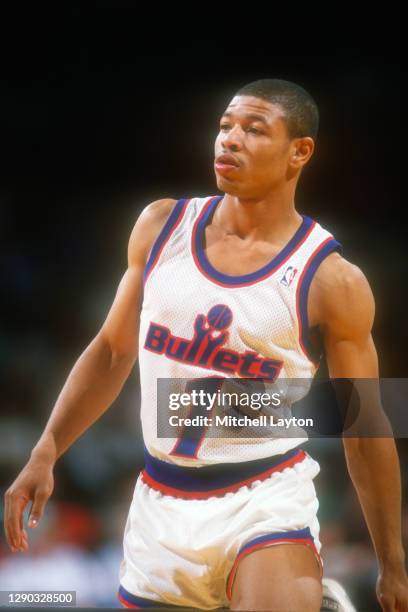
x: 172, y: 222
x: 330, y: 245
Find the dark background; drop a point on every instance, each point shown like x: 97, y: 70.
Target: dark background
x: 93, y: 127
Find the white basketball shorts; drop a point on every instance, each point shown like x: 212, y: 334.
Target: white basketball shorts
x: 188, y: 528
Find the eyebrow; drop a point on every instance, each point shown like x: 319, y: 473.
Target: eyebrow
x: 251, y: 116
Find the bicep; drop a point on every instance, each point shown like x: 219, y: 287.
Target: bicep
x: 351, y: 358
x: 121, y: 327
x: 347, y: 314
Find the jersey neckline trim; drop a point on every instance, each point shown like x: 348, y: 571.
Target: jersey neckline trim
x: 226, y: 280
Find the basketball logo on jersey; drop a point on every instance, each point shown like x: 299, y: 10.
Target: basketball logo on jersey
x: 288, y: 276
x: 206, y: 350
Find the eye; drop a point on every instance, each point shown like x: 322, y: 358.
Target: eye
x: 224, y: 127
x: 254, y: 130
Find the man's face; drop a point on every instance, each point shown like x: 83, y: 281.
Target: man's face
x: 252, y: 148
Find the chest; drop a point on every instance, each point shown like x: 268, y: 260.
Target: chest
x: 180, y: 299
x: 232, y: 255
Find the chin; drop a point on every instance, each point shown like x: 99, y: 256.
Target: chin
x: 228, y: 186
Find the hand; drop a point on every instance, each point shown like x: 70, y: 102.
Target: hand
x: 35, y: 483
x: 392, y: 590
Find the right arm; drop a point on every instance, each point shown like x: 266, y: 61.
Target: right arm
x: 93, y: 384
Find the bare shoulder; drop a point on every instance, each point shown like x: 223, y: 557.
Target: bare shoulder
x: 337, y: 274
x: 340, y: 294
x: 147, y: 227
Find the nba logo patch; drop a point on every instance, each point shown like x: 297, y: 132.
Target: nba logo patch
x: 289, y: 275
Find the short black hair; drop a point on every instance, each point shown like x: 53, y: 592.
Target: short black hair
x: 301, y: 112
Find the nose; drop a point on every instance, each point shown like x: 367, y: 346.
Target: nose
x: 232, y: 140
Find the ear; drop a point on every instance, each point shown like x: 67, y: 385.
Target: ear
x: 301, y: 151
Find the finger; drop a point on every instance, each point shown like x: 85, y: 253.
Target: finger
x: 37, y: 509
x: 24, y: 537
x: 24, y: 541
x: 6, y: 529
x: 21, y: 525
x: 14, y: 511
x: 8, y: 537
x: 17, y: 519
x: 6, y: 521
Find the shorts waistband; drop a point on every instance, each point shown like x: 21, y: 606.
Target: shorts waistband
x: 213, y: 480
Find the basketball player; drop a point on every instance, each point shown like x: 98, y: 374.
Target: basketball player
x: 236, y: 285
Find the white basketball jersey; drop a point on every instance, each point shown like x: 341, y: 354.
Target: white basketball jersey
x: 197, y: 323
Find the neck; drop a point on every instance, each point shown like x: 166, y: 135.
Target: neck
x: 258, y: 218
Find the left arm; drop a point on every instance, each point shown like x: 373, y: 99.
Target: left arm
x: 343, y: 306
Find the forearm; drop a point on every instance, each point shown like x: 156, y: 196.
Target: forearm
x: 93, y: 384
x: 374, y: 469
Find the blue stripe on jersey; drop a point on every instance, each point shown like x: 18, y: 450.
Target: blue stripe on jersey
x: 210, y: 477
x: 252, y: 276
x: 142, y: 602
x: 163, y: 236
x: 187, y: 447
x: 313, y: 264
